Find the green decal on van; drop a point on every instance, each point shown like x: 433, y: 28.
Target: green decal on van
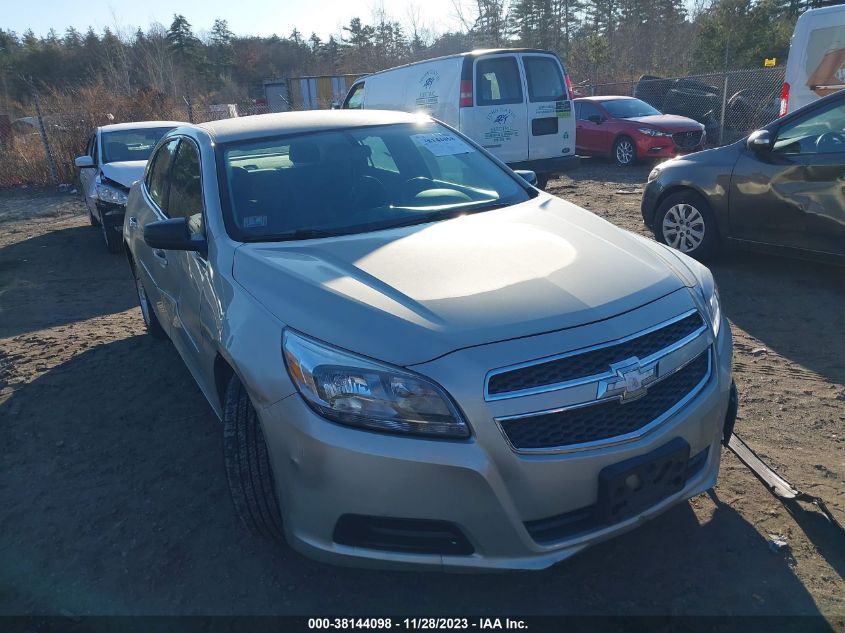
x: 563, y: 109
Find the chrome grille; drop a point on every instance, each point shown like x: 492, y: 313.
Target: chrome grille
x: 545, y: 375
x: 687, y: 140
x: 602, y: 420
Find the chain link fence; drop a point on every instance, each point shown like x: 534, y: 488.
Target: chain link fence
x: 730, y: 104
x: 39, y: 149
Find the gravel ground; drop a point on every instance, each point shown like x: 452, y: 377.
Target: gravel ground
x: 113, y: 496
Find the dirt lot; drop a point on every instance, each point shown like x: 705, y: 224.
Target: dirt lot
x: 113, y: 497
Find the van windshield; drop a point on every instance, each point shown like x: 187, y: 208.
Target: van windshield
x: 358, y: 179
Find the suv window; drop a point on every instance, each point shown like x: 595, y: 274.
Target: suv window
x: 545, y: 82
x: 818, y: 133
x: 157, y: 183
x: 355, y: 100
x: 497, y: 82
x: 186, y: 187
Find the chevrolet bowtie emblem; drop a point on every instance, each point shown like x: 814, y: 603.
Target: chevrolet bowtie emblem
x: 630, y: 380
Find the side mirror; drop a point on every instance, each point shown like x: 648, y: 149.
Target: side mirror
x: 173, y: 235
x: 527, y: 175
x: 84, y: 161
x: 760, y: 141
x: 596, y: 118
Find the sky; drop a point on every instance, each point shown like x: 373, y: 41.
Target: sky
x: 245, y: 17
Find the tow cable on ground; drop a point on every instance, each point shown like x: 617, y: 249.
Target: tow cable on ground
x: 776, y: 484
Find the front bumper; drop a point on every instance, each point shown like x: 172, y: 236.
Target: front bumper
x: 493, y: 495
x: 661, y: 147
x: 652, y: 192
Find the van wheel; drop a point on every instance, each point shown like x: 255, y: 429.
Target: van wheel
x: 93, y: 220
x: 685, y: 221
x: 248, y: 469
x: 624, y: 151
x: 542, y: 181
x: 151, y: 321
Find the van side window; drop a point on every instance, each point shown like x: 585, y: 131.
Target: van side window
x: 497, y: 82
x: 545, y: 82
x: 355, y: 100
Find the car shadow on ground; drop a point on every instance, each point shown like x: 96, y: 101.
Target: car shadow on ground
x: 791, y: 306
x: 41, y: 280
x: 114, y: 500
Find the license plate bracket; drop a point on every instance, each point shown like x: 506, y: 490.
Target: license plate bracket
x: 631, y: 486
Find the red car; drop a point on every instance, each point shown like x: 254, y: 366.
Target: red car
x: 628, y: 130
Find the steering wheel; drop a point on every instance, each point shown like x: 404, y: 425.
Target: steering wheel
x: 831, y: 141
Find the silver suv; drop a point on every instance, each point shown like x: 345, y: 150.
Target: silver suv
x: 419, y: 358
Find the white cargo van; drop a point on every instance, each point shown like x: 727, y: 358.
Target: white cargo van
x: 816, y: 64
x: 514, y: 102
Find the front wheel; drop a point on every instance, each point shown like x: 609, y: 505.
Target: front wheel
x: 248, y: 469
x: 624, y: 151
x: 111, y: 237
x: 542, y: 181
x: 685, y: 222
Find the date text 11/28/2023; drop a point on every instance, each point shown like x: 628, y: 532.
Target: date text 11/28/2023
x: 431, y: 624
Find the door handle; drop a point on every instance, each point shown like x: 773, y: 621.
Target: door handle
x: 161, y: 256
x: 133, y: 223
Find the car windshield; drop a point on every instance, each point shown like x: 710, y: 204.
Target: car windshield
x: 125, y: 145
x: 357, y: 179
x: 628, y: 108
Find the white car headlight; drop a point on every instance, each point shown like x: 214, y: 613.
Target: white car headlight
x: 357, y: 391
x: 107, y: 193
x: 715, y: 310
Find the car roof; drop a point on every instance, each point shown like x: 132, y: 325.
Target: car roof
x: 263, y: 125
x: 140, y: 125
x: 603, y: 98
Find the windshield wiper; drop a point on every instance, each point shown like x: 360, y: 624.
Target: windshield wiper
x: 445, y: 214
x: 303, y: 234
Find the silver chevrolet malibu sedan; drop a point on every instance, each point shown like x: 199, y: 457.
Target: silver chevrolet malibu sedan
x: 419, y: 358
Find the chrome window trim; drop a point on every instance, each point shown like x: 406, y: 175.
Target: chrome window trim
x: 611, y: 441
x: 531, y: 391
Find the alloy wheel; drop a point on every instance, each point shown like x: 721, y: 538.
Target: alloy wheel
x: 684, y: 227
x: 624, y: 152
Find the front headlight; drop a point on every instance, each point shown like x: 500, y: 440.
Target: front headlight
x: 715, y: 310
x: 357, y: 391
x: 113, y: 195
x: 652, y: 132
x: 654, y: 173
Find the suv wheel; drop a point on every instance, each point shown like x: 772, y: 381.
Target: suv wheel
x: 684, y: 221
x: 624, y: 151
x: 151, y: 321
x: 93, y: 220
x: 248, y: 469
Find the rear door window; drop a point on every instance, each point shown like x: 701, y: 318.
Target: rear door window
x: 587, y: 110
x: 545, y: 81
x: 497, y: 82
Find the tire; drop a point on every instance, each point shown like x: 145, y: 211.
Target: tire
x: 151, y: 322
x: 625, y: 151
x: 248, y: 468
x: 92, y: 219
x: 685, y: 222
x: 111, y: 237
x: 542, y: 181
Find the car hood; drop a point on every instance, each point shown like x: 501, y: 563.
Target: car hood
x: 125, y: 172
x: 668, y: 122
x: 413, y: 294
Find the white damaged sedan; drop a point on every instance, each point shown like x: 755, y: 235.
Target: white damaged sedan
x: 417, y: 357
